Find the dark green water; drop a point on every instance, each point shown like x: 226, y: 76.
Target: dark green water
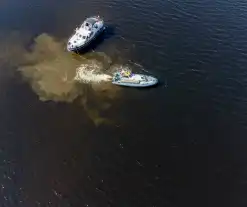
x: 180, y: 144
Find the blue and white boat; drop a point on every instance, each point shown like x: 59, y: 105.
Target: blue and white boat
x: 86, y: 33
x: 127, y: 78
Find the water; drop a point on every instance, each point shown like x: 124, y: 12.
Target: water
x: 93, y: 144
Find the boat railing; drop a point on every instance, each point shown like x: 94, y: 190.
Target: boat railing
x: 72, y: 34
x: 129, y: 81
x: 77, y: 28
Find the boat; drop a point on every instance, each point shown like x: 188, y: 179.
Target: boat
x: 127, y: 78
x: 88, y: 31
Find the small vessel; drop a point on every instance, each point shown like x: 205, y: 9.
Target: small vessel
x: 127, y: 78
x: 86, y: 33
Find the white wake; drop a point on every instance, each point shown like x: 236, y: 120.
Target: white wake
x: 89, y: 75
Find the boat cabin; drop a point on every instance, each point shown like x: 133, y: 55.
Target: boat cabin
x: 85, y: 33
x: 90, y: 23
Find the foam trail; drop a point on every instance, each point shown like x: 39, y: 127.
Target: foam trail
x: 53, y: 73
x: 90, y: 76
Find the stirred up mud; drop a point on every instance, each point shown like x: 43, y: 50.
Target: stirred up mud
x: 57, y: 75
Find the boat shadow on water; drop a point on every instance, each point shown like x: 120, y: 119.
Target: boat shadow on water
x: 108, y: 33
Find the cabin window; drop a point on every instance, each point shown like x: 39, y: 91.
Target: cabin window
x: 84, y: 37
x: 79, y: 35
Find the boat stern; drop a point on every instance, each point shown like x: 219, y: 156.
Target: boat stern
x: 70, y: 47
x: 76, y: 46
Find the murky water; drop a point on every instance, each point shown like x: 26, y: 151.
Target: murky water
x: 65, y: 142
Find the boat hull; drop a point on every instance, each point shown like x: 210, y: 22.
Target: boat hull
x: 152, y: 81
x: 87, y: 44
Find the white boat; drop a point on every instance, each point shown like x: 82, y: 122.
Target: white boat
x: 86, y: 33
x: 127, y: 78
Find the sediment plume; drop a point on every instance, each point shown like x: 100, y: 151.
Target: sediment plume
x: 57, y: 75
